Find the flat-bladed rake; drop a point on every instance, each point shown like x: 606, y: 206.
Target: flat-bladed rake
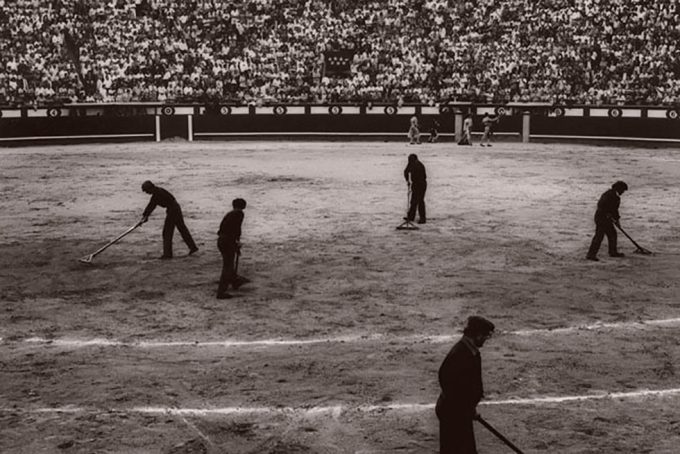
x: 640, y: 249
x: 90, y: 257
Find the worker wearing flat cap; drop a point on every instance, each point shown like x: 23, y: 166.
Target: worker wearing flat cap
x: 460, y: 378
x: 606, y: 217
x: 173, y: 218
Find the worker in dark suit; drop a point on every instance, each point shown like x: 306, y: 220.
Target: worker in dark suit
x: 460, y: 378
x: 173, y: 218
x: 415, y: 176
x: 606, y: 217
x: 228, y: 242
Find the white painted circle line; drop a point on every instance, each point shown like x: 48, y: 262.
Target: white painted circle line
x: 432, y: 339
x: 337, y: 410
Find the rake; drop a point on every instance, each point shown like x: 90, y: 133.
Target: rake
x: 640, y: 249
x: 407, y: 225
x: 499, y: 435
x: 90, y: 257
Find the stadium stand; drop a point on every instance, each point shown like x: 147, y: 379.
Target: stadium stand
x: 405, y: 51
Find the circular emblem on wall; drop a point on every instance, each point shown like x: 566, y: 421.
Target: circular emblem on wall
x: 168, y: 110
x: 672, y: 114
x: 444, y: 110
x: 390, y: 110
x: 558, y: 112
x: 335, y: 110
x: 53, y: 112
x: 500, y: 110
x: 225, y: 110
x: 615, y: 112
x: 280, y: 110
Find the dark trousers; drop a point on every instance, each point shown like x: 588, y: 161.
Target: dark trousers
x: 456, y: 436
x: 174, y: 218
x: 602, y: 228
x: 228, y: 276
x: 417, y: 202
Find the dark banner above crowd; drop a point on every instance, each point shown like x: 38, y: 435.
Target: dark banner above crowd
x: 337, y: 63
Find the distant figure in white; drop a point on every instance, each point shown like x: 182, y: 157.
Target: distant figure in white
x: 467, y: 131
x: 414, y: 132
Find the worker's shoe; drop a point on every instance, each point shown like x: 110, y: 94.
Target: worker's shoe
x: 592, y: 258
x: 617, y: 254
x: 193, y: 250
x: 223, y: 296
x: 165, y: 257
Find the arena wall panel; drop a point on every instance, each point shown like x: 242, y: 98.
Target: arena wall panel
x: 605, y: 127
x: 101, y: 127
x: 102, y: 122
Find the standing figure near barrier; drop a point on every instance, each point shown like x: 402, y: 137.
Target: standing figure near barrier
x: 173, y: 218
x: 487, y: 122
x: 460, y: 378
x: 467, y: 131
x: 414, y: 132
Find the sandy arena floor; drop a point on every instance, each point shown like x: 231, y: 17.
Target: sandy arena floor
x: 135, y: 355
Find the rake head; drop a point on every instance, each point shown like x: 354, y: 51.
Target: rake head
x: 407, y: 225
x: 86, y: 259
x: 643, y: 251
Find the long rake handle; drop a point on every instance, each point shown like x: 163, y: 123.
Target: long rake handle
x: 114, y: 241
x: 499, y: 435
x: 631, y: 239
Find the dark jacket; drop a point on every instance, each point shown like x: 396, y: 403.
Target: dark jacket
x: 417, y: 171
x: 460, y: 378
x: 608, y: 207
x: 160, y: 197
x: 230, y: 227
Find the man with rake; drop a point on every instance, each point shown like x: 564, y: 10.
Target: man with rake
x: 228, y: 242
x: 416, y: 177
x: 606, y: 217
x: 460, y: 378
x: 173, y: 218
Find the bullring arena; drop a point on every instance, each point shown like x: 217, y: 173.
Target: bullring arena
x: 335, y: 344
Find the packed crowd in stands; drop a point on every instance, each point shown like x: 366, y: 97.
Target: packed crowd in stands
x: 404, y: 51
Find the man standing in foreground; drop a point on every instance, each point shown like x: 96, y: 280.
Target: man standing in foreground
x: 460, y: 377
x: 228, y: 242
x: 418, y: 182
x: 173, y: 218
x: 606, y: 216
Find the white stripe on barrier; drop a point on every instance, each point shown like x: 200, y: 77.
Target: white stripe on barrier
x: 573, y: 112
x: 433, y: 339
x: 240, y: 110
x: 652, y: 113
x: 184, y: 110
x: 599, y: 112
x: 631, y: 139
x: 631, y: 113
x: 336, y: 410
x: 14, y: 114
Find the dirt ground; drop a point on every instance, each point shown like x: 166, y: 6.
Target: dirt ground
x: 507, y: 232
